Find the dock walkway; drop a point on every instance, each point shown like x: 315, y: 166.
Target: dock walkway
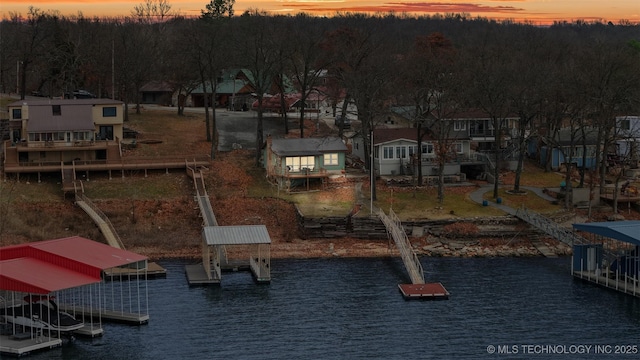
x: 418, y: 289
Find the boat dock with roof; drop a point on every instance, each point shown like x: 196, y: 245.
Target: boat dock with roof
x: 232, y: 248
x: 608, y: 255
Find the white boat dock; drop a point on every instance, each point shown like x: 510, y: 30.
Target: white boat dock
x: 22, y: 344
x: 107, y: 315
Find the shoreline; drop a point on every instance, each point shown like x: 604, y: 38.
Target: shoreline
x: 357, y: 248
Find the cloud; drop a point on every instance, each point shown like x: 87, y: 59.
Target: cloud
x: 408, y: 7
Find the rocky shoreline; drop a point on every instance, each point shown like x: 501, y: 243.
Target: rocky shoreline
x: 462, y: 249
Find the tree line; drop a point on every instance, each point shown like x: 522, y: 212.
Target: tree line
x: 573, y: 75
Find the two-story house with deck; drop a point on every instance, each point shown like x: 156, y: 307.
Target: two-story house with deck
x: 47, y: 133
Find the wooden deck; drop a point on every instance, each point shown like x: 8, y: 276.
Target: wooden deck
x: 621, y: 198
x: 430, y: 291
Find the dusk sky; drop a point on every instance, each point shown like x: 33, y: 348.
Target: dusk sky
x: 536, y: 11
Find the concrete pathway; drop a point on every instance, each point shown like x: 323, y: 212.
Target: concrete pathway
x: 477, y: 197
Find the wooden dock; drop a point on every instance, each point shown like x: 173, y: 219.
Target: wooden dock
x: 430, y: 291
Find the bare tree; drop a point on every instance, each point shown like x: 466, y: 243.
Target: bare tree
x: 488, y: 84
x: 151, y: 11
x: 256, y: 50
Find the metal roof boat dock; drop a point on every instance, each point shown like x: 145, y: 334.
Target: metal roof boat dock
x: 609, y: 255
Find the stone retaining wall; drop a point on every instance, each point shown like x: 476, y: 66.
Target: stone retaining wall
x: 364, y: 227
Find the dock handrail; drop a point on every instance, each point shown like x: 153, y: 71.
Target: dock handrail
x: 549, y: 227
x: 409, y: 257
x: 81, y: 197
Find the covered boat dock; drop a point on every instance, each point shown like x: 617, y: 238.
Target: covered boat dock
x: 609, y: 255
x: 232, y: 248
x: 69, y: 271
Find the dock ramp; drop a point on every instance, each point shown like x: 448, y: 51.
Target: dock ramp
x: 418, y: 289
x: 100, y: 219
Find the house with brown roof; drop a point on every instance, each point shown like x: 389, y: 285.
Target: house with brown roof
x: 46, y: 133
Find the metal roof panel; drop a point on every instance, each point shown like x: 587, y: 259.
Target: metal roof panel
x: 236, y: 235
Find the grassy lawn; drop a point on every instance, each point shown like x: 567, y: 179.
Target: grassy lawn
x: 424, y: 205
x: 157, y: 185
x: 529, y: 200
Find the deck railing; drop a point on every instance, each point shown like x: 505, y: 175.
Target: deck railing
x: 550, y: 227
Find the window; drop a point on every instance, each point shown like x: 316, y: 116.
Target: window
x: 300, y: 163
x: 459, y: 125
x: 624, y: 124
x: 412, y: 150
x: 331, y: 159
x: 17, y: 114
x: 387, y: 152
x: 57, y: 111
x: 109, y: 111
x: 427, y: 149
x: 456, y: 148
x: 401, y: 152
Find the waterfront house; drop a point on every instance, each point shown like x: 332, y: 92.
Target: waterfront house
x: 396, y: 152
x: 473, y: 124
x: 296, y: 161
x: 628, y: 139
x: 48, y: 132
x: 557, y: 149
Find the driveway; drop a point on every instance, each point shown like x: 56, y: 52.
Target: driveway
x: 237, y: 129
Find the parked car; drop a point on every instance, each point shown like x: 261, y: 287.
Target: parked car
x: 79, y: 94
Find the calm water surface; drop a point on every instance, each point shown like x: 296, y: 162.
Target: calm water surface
x: 351, y: 309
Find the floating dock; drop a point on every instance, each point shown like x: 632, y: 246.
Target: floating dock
x: 22, y: 344
x: 197, y: 276
x: 622, y: 283
x: 107, y: 315
x: 431, y: 291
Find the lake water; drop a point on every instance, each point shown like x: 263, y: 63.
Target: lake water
x: 352, y: 309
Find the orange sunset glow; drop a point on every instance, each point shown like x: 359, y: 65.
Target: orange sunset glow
x: 535, y: 11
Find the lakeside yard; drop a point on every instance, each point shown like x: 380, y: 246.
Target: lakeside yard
x: 157, y: 216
